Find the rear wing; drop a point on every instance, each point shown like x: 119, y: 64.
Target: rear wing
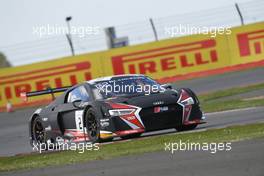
x: 51, y: 91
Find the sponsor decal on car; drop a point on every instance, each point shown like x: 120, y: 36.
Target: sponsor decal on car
x: 160, y: 109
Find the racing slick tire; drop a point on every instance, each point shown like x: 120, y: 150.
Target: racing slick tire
x: 38, y: 133
x: 92, y: 125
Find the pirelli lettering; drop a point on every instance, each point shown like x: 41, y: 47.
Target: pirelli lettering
x: 167, y: 58
x: 251, y: 43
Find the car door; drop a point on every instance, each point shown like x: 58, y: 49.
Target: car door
x: 70, y: 117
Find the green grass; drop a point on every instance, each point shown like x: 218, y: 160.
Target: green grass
x: 213, y: 102
x: 143, y: 145
x: 230, y: 104
x: 230, y: 92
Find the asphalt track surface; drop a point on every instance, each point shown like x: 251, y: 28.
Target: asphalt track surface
x: 14, y: 129
x: 224, y: 81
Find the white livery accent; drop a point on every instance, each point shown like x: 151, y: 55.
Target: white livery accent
x: 79, y: 120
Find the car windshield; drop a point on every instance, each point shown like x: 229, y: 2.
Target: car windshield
x: 126, y: 86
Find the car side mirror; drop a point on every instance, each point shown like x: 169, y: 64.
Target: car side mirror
x: 167, y: 86
x: 76, y: 103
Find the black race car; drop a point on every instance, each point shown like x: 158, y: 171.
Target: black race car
x: 118, y: 106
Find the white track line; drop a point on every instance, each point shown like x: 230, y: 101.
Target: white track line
x: 233, y: 110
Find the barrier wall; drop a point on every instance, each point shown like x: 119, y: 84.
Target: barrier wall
x: 165, y: 60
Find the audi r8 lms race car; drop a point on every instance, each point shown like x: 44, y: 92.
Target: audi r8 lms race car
x: 118, y: 106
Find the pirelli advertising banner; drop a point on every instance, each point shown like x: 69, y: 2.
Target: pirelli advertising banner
x: 160, y: 60
x: 172, y: 57
x: 56, y: 73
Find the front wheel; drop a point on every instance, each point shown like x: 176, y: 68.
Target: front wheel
x: 186, y: 127
x: 92, y: 125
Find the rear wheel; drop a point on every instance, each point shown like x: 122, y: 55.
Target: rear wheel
x: 186, y: 127
x: 130, y: 136
x: 38, y: 133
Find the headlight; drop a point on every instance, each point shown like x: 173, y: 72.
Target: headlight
x: 120, y: 112
x: 188, y: 101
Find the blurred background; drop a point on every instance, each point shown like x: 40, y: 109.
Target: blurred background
x: 135, y: 21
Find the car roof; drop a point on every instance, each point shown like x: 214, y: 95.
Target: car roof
x: 60, y: 99
x: 107, y: 78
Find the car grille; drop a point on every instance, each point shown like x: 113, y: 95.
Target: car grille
x: 161, y: 120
